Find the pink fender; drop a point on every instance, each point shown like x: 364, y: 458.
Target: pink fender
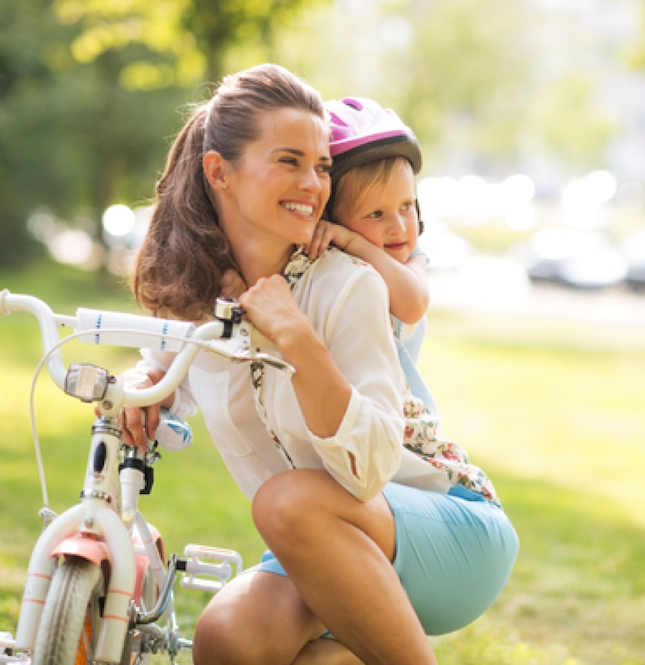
x: 92, y: 549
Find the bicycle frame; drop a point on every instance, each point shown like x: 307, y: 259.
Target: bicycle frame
x: 107, y: 528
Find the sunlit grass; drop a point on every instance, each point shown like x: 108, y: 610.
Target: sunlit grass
x: 557, y: 424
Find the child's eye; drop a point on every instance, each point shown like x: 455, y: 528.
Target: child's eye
x: 377, y: 214
x: 407, y: 206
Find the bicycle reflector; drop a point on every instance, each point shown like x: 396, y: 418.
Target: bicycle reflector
x: 88, y: 383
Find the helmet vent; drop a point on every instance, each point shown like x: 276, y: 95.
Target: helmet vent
x: 354, y: 103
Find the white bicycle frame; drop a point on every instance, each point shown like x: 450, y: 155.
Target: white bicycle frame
x: 107, y: 527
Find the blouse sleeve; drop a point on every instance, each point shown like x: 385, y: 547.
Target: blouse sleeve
x: 359, y: 335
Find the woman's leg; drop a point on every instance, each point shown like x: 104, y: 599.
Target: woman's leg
x: 338, y: 552
x: 326, y: 652
x: 259, y: 618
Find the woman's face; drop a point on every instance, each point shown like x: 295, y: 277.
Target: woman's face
x: 387, y: 216
x: 280, y: 186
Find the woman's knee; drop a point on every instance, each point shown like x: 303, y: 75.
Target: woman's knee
x: 215, y: 640
x: 223, y: 636
x: 256, y: 619
x: 286, y: 503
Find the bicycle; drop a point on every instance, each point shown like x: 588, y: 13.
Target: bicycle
x: 97, y: 588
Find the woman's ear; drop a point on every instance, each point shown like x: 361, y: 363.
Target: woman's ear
x: 215, y: 169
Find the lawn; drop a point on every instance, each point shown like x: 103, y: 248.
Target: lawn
x: 553, y: 413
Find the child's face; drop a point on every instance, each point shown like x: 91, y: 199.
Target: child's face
x: 387, y: 216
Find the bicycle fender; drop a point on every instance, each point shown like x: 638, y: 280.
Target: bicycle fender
x: 91, y: 549
x: 143, y: 561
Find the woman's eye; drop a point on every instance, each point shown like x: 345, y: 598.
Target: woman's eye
x: 324, y: 168
x: 292, y: 161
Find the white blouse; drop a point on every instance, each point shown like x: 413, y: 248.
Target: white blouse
x: 347, y: 303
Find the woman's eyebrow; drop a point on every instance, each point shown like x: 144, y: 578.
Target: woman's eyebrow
x: 299, y: 153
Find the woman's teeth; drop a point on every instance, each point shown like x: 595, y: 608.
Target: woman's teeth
x: 300, y: 208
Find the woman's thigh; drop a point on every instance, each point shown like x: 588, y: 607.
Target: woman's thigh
x: 453, y: 556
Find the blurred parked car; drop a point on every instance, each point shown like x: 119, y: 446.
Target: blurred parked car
x: 633, y: 247
x: 576, y: 258
x: 445, y: 249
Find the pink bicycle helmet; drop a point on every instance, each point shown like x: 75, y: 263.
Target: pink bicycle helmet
x: 362, y: 132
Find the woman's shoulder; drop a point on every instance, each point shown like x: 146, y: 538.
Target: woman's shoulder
x: 337, y: 280
x: 336, y: 262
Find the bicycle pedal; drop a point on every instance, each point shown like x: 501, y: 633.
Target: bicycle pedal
x: 221, y: 566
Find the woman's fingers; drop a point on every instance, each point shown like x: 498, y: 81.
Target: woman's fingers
x: 140, y: 425
x: 271, y: 308
x: 133, y: 430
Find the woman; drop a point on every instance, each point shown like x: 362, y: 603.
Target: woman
x: 245, y: 184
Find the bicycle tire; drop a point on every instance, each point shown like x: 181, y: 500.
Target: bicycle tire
x: 70, y: 616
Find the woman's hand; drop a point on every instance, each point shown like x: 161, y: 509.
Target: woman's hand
x: 135, y: 433
x: 325, y: 234
x: 271, y: 308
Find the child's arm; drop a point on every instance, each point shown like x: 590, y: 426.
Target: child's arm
x: 407, y: 282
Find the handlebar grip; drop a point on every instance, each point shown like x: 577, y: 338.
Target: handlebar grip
x: 94, y: 321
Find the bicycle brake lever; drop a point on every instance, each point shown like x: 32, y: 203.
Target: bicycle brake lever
x: 247, y: 356
x: 274, y: 362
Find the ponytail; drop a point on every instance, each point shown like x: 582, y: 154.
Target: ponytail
x: 185, y: 252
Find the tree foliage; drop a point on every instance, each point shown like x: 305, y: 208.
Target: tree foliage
x: 89, y: 89
x: 89, y: 92
x: 468, y: 76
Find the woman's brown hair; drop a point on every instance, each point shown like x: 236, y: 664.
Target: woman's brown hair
x: 179, y: 266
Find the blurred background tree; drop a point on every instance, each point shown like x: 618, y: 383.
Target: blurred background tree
x: 89, y: 93
x: 90, y: 89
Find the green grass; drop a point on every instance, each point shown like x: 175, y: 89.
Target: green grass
x: 553, y: 412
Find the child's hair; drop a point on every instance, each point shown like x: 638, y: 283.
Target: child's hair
x: 179, y: 266
x: 354, y: 186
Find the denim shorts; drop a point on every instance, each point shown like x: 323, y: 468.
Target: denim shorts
x: 453, y: 555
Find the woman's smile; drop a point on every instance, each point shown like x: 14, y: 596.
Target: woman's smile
x: 305, y: 210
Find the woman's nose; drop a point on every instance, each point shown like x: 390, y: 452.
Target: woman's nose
x: 311, y: 180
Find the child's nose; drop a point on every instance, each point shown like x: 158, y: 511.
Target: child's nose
x: 397, y: 224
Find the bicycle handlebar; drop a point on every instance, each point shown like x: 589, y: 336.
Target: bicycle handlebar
x: 242, y: 344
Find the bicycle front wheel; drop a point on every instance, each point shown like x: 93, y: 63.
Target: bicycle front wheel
x: 69, y: 621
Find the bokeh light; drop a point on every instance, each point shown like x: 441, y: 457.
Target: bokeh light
x: 118, y: 220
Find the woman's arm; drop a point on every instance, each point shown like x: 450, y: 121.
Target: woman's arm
x: 318, y: 381
x: 348, y: 384
x: 148, y: 372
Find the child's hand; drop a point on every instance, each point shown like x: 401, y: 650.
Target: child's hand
x: 325, y: 234
x: 232, y: 285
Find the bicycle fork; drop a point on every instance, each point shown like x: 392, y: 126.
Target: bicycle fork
x: 92, y: 530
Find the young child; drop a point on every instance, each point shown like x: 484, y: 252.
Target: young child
x: 376, y: 217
